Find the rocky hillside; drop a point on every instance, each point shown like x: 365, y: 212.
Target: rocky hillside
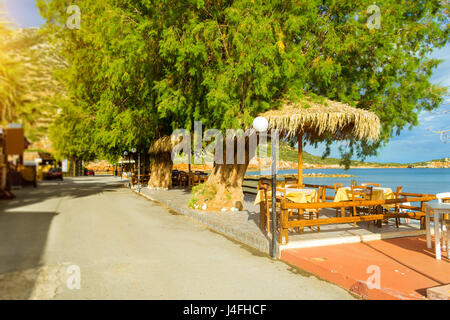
x: 440, y: 163
x: 39, y: 61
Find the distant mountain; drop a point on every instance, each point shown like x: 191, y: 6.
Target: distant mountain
x: 290, y: 154
x: 39, y: 61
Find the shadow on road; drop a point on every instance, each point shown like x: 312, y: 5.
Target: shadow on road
x: 23, y: 237
x: 69, y: 188
x: 24, y: 230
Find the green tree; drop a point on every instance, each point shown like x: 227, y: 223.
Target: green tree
x: 71, y: 134
x: 11, y: 73
x: 42, y: 93
x: 110, y: 72
x: 169, y: 63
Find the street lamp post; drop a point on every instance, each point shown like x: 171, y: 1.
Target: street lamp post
x: 125, y: 153
x: 261, y: 125
x: 133, y: 150
x: 139, y: 169
x: 139, y: 172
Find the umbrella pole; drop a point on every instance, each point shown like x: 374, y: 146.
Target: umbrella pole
x: 300, y: 159
x: 189, y: 174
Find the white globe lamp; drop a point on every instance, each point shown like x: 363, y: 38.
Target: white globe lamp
x: 260, y: 124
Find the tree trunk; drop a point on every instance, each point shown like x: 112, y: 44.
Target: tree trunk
x: 161, y: 176
x: 226, y: 180
x: 223, y: 189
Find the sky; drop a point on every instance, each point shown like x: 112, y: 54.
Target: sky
x: 417, y: 144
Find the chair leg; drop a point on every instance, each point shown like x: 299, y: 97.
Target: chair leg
x: 448, y: 240
x: 444, y: 231
x: 317, y: 217
x: 301, y: 217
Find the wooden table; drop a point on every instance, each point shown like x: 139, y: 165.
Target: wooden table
x: 303, y: 195
x: 344, y: 194
x: 438, y: 209
x: 378, y: 193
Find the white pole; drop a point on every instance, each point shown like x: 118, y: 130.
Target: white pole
x: 139, y: 172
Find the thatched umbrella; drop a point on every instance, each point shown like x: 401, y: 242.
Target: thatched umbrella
x: 312, y: 121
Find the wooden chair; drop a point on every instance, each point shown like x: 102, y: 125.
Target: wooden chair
x: 413, y: 212
x: 336, y: 186
x: 263, y: 186
x: 445, y: 223
x: 265, y: 214
x: 319, y: 198
x: 175, y: 178
x: 202, y: 176
x: 361, y: 193
x: 183, y: 179
x: 311, y: 214
x: 292, y: 182
x: 353, y: 183
x: 194, y: 179
x: 370, y: 184
x: 397, y: 205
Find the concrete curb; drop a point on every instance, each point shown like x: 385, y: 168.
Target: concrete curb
x: 351, y: 239
x: 234, y: 231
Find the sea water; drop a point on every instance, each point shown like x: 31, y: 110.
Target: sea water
x: 414, y: 180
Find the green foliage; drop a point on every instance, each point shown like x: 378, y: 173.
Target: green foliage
x: 11, y: 73
x: 143, y: 68
x: 42, y: 93
x: 71, y: 134
x: 202, y: 193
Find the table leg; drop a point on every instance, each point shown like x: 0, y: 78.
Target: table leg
x: 437, y: 238
x: 427, y: 226
x: 448, y: 244
x: 444, y: 235
x: 301, y: 213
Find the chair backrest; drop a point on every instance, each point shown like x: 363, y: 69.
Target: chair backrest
x: 368, y: 184
x: 361, y: 192
x: 443, y: 197
x: 398, y: 195
x: 321, y: 194
x: 408, y: 204
x: 290, y: 180
x: 293, y: 183
x: 337, y: 185
x: 183, y: 175
x: 282, y: 191
x: 264, y: 183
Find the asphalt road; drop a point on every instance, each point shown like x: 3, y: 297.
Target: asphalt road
x: 114, y: 244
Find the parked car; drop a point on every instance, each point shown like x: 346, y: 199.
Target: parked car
x: 90, y: 173
x: 54, y: 173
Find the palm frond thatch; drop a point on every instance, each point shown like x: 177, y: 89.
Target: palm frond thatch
x: 318, y: 121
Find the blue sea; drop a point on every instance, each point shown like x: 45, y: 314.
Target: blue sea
x: 414, y: 180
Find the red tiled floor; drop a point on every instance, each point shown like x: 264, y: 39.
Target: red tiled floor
x: 407, y: 267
